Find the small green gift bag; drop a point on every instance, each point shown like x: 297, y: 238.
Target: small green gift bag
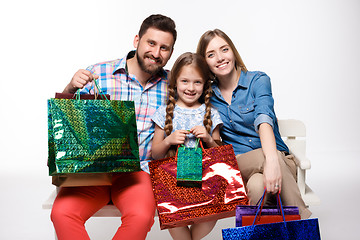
x: 92, y: 136
x: 189, y: 165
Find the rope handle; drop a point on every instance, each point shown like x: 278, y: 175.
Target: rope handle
x: 198, y: 142
x: 97, y: 90
x: 260, y: 207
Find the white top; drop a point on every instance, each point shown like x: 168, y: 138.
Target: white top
x: 185, y: 119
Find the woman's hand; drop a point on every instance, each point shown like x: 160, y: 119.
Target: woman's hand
x: 272, y: 175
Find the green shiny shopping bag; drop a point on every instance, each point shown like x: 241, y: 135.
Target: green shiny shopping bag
x: 189, y: 165
x: 92, y: 136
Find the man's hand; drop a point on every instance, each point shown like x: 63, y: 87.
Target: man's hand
x: 79, y: 80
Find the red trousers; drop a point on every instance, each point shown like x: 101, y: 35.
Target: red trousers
x: 131, y: 193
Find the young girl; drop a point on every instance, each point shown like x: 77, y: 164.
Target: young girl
x: 187, y: 116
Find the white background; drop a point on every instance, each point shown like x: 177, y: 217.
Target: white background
x: 309, y: 48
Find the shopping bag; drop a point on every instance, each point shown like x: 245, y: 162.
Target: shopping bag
x: 307, y: 229
x: 222, y: 189
x: 268, y: 214
x: 92, y: 136
x: 189, y: 165
x: 82, y: 179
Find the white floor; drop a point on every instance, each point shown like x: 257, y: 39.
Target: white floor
x: 334, y: 177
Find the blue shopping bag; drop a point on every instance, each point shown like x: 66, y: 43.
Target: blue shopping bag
x: 292, y: 230
x: 307, y: 229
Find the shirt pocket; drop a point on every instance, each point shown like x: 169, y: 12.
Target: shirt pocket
x: 247, y: 114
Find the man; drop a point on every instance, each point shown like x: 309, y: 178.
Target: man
x: 138, y: 77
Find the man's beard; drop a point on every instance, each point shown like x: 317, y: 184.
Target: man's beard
x: 152, y: 70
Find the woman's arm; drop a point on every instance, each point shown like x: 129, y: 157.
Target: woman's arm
x: 272, y: 171
x: 161, y: 145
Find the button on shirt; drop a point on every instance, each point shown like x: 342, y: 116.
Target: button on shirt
x: 115, y: 81
x: 251, y: 104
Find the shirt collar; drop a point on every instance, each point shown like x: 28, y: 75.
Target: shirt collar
x: 122, y: 66
x: 244, y: 81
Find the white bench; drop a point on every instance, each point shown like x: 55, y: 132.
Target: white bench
x: 294, y: 134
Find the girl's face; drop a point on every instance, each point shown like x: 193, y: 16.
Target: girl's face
x: 220, y: 57
x: 189, y: 87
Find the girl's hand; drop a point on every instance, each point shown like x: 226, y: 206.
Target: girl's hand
x: 176, y: 138
x: 272, y: 175
x: 200, y: 132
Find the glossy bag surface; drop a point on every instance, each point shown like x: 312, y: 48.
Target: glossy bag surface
x: 245, y: 214
x: 221, y: 191
x: 189, y: 166
x: 92, y: 136
x: 290, y: 230
x: 284, y: 230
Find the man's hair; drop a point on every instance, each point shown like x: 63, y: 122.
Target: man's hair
x: 159, y: 22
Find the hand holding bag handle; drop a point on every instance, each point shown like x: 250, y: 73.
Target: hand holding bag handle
x: 96, y: 93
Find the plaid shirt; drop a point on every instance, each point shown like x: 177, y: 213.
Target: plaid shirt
x: 115, y: 81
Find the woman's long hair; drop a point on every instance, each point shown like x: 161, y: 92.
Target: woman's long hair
x: 199, y: 63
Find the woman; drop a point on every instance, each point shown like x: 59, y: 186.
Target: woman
x: 246, y: 106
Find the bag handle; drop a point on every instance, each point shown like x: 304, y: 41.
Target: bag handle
x: 260, y: 207
x: 198, y: 142
x: 260, y: 200
x: 96, y: 87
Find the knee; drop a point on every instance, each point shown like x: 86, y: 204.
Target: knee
x: 141, y: 219
x: 61, y: 214
x: 57, y: 215
x: 255, y: 188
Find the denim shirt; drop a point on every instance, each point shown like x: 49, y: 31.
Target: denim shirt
x: 251, y: 104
